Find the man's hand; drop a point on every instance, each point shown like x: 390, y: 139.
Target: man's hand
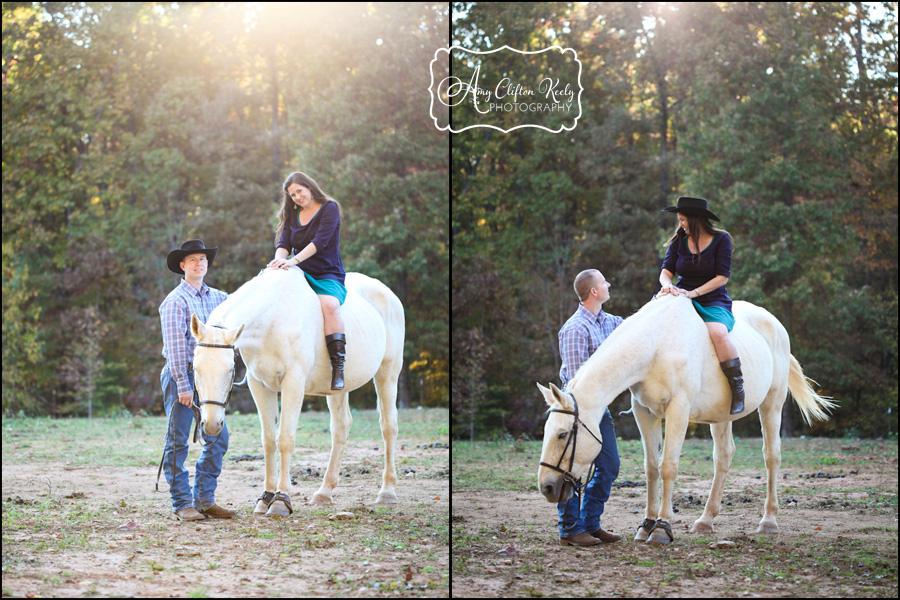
x: 186, y: 398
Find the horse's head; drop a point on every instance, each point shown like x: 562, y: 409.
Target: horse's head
x: 213, y: 372
x: 565, y: 455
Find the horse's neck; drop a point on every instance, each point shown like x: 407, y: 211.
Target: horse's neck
x: 235, y: 312
x: 254, y: 306
x: 620, y: 362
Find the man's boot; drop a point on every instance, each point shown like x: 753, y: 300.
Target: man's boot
x: 336, y: 343
x: 732, y: 370
x: 582, y: 539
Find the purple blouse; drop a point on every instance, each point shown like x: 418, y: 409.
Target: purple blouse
x: 324, y: 230
x: 694, y: 271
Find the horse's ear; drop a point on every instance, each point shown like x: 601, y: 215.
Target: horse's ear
x: 548, y: 396
x: 195, y: 326
x: 559, y: 397
x: 233, y: 335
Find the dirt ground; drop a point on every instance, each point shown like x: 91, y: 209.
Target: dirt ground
x: 838, y: 540
x: 102, y: 531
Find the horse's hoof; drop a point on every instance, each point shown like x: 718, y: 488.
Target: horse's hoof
x: 386, y: 497
x: 644, y: 529
x: 320, y: 499
x: 659, y: 539
x: 661, y: 534
x: 767, y: 527
x: 262, y: 503
x: 278, y: 509
x: 700, y: 527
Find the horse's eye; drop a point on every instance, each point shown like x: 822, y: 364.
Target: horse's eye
x: 563, y: 435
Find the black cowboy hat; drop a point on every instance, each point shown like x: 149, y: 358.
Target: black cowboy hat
x: 189, y: 247
x: 692, y: 206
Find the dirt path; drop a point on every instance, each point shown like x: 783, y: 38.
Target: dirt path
x: 75, y: 530
x: 838, y: 540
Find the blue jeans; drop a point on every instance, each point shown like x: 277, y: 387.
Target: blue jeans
x: 179, y: 430
x: 573, y: 521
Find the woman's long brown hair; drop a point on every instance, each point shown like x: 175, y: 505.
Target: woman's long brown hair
x: 289, y: 208
x: 695, y: 222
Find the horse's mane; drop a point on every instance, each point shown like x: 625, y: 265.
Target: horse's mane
x: 266, y: 291
x: 651, y: 319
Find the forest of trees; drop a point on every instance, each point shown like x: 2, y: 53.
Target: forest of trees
x: 782, y: 115
x: 129, y: 128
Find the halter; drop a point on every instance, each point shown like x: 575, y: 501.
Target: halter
x: 195, y: 406
x: 196, y: 403
x: 568, y: 477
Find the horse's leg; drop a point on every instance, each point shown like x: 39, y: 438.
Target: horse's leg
x: 267, y: 407
x: 339, y: 407
x: 676, y: 426
x: 651, y: 437
x: 292, y: 388
x: 723, y: 450
x: 386, y: 388
x: 770, y: 419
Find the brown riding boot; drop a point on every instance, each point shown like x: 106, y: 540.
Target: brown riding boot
x: 605, y: 536
x: 189, y: 514
x: 732, y: 370
x: 336, y: 343
x: 218, y: 512
x: 582, y: 539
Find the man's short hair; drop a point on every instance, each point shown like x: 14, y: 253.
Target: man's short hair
x: 584, y: 281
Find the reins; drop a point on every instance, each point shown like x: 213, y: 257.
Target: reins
x: 196, y: 403
x: 568, y: 477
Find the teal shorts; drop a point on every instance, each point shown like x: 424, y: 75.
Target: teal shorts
x: 715, y: 314
x: 327, y: 287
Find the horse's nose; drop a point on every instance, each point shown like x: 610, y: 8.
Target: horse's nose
x: 548, y: 490
x: 214, y: 428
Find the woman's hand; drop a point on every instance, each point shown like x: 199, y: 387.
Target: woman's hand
x: 279, y: 263
x: 674, y: 291
x: 666, y: 290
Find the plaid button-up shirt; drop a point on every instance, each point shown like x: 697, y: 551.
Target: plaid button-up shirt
x: 175, y: 313
x: 580, y: 337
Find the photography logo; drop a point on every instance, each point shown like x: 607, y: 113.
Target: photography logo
x: 506, y: 89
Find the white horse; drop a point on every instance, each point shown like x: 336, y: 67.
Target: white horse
x: 275, y: 321
x: 663, y: 353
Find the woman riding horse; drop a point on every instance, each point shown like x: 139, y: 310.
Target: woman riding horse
x: 701, y: 255
x: 310, y: 228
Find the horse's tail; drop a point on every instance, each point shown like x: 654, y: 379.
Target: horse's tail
x: 811, y: 404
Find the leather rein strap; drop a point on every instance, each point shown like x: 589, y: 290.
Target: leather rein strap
x: 195, y: 406
x: 568, y: 477
x: 196, y: 403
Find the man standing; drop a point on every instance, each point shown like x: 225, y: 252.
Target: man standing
x: 191, y: 296
x: 578, y: 339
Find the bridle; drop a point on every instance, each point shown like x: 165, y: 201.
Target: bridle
x: 568, y: 477
x: 196, y: 403
x: 195, y: 406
